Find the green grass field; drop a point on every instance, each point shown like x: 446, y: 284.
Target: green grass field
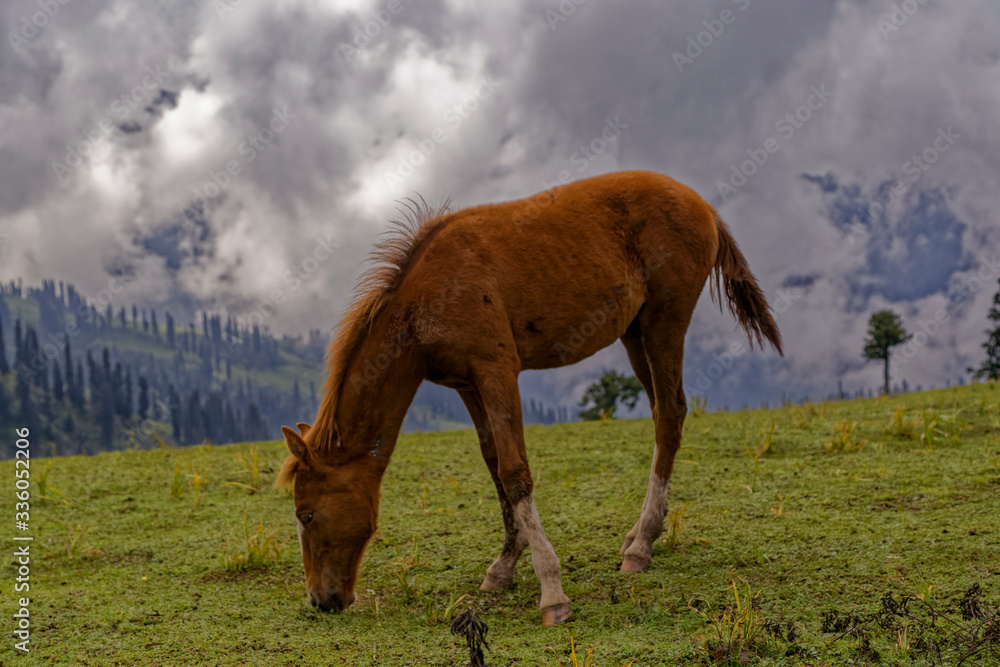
x: 817, y: 508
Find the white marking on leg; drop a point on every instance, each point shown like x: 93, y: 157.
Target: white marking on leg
x: 543, y: 556
x: 501, y: 572
x: 655, y: 506
x: 650, y: 523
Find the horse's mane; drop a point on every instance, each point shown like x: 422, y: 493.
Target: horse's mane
x: 389, y: 259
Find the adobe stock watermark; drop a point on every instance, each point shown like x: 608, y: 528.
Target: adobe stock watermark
x: 120, y: 108
x: 289, y: 281
x: 362, y: 34
x: 913, y: 169
x: 594, y: 320
x: 699, y: 42
x: 248, y: 150
x: 562, y: 12
x: 224, y: 8
x: 453, y: 118
x: 583, y: 156
x: 723, y: 363
x: 899, y: 17
x: 786, y: 127
x: 989, y: 269
x: 32, y: 26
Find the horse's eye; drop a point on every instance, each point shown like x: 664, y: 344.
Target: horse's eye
x: 306, y: 519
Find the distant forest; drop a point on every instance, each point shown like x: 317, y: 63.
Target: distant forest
x: 86, y: 379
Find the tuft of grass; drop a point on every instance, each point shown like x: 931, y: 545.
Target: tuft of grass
x: 902, y: 427
x: 197, y: 483
x: 779, y: 509
x: 845, y: 439
x: 697, y: 405
x: 403, y: 570
x: 260, y: 549
x: 737, y: 631
x: 177, y: 486
x: 436, y: 613
x: 675, y: 521
x: 766, y: 440
x: 573, y: 660
x: 46, y: 490
x: 251, y: 480
x: 73, y: 545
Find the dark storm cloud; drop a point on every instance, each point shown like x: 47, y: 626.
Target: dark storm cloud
x: 379, y: 100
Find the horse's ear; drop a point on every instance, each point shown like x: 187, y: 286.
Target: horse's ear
x: 296, y: 445
x: 303, y: 428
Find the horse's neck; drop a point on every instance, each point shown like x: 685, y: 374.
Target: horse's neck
x: 377, y: 391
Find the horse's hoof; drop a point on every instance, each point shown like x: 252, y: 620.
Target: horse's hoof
x: 556, y: 614
x: 493, y: 583
x: 635, y: 563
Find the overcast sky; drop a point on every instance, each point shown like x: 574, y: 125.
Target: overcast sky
x: 215, y: 150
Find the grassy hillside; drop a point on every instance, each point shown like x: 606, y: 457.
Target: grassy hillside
x: 819, y: 508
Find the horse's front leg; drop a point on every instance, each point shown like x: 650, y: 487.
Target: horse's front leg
x: 498, y: 388
x: 501, y: 573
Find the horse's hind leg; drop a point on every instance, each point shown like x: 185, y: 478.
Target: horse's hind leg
x: 501, y: 573
x: 662, y: 335
x: 632, y: 340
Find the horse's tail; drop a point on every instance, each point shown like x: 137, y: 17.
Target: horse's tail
x: 743, y: 295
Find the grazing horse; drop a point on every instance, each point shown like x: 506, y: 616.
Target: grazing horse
x: 468, y: 299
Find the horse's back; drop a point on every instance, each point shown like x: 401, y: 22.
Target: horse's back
x: 567, y: 270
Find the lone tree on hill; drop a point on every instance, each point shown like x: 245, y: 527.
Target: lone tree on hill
x: 990, y: 370
x: 606, y: 393
x: 885, y: 331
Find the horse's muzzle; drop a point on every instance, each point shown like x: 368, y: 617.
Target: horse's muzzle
x: 334, y: 601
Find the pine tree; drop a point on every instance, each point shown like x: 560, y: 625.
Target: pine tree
x: 57, y: 381
x: 143, y: 397
x: 106, y: 416
x: 256, y: 427
x: 68, y: 365
x: 156, y: 327
x: 34, y: 361
x: 990, y: 369
x: 106, y: 364
x: 6, y: 407
x: 127, y: 400
x: 885, y: 331
x: 4, y: 366
x: 18, y: 342
x: 174, y: 402
x: 194, y: 432
x: 28, y: 414
x: 170, y: 330
x: 81, y: 401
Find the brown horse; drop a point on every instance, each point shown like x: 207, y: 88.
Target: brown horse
x: 469, y: 299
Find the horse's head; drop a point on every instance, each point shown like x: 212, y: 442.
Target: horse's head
x: 336, y: 507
